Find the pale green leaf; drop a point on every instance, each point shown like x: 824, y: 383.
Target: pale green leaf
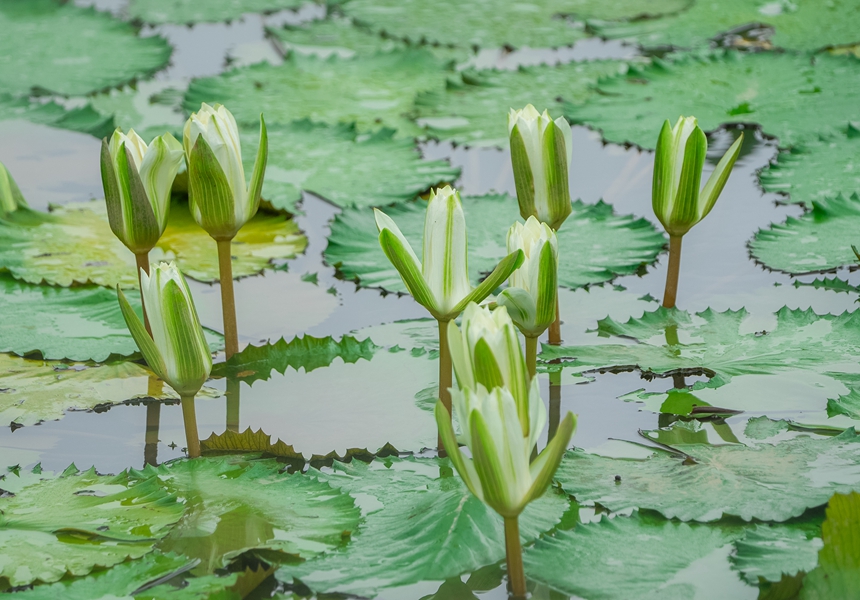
x: 769, y: 551
x: 838, y: 572
x: 192, y: 11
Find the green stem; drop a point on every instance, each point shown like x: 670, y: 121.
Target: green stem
x: 150, y: 446
x: 232, y: 404
x: 531, y: 356
x: 671, y: 291
x: 516, y: 575
x: 143, y: 265
x: 189, y: 417
x: 555, y: 327
x: 554, y: 403
x: 445, y: 373
x: 228, y: 300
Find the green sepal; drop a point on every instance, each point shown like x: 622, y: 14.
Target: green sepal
x: 555, y: 165
x: 141, y: 336
x: 187, y: 340
x: 409, y: 272
x: 487, y: 465
x: 661, y: 183
x: 521, y: 308
x: 523, y: 176
x: 113, y: 199
x: 547, y: 291
x: 209, y: 192
x: 717, y: 181
x: 503, y: 270
x: 256, y: 187
x: 487, y: 371
x: 449, y: 442
x: 144, y: 230
x: 11, y: 198
x: 685, y: 212
x: 543, y: 468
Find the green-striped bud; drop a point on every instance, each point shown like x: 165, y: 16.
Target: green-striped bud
x: 220, y: 199
x: 177, y: 350
x: 137, y: 180
x: 681, y: 151
x: 541, y: 152
x: 11, y: 198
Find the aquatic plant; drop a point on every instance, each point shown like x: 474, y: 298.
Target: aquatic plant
x: 10, y: 196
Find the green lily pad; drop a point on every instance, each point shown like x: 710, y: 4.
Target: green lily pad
x: 762, y: 428
x: 804, y: 26
x: 731, y: 87
x: 345, y: 168
x: 475, y: 112
x: 374, y: 91
x: 839, y: 559
x: 642, y: 557
x: 769, y: 551
x: 190, y: 11
x: 819, y: 240
x: 833, y: 284
x: 80, y: 520
x: 702, y: 482
x: 306, y: 352
x: 482, y: 23
x: 292, y: 514
x: 595, y: 245
x: 671, y: 340
x: 420, y: 523
x: 815, y: 171
x: 82, y: 54
x: 134, y: 107
x: 84, y: 119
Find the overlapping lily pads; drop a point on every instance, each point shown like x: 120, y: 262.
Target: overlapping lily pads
x: 375, y: 91
x: 421, y: 523
x: 769, y: 551
x: 191, y: 11
x: 819, y: 240
x: 84, y: 119
x: 595, y: 244
x: 81, y: 57
x: 342, y: 166
x: 730, y: 87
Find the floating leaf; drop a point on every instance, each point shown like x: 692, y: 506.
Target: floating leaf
x: 674, y: 340
x: 769, y: 551
x: 731, y: 87
x: 833, y: 284
x: 190, y: 11
x: 231, y: 442
x: 80, y: 520
x: 819, y: 240
x: 475, y: 112
x: 839, y: 558
x: 595, y: 245
x: 762, y: 428
x: 345, y: 168
x: 85, y: 119
x: 801, y: 26
x: 415, y: 505
x: 372, y: 92
x: 640, y: 557
x: 771, y: 483
x: 82, y: 54
x: 307, y: 352
x: 133, y: 107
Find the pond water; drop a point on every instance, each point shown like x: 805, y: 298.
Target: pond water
x: 328, y: 409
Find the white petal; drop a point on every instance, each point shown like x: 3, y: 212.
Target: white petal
x: 444, y: 260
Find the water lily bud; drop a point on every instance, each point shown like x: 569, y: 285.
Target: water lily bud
x: 11, y: 198
x: 440, y: 282
x: 177, y: 350
x: 137, y: 180
x: 681, y: 150
x: 541, y: 152
x: 533, y: 288
x: 220, y: 199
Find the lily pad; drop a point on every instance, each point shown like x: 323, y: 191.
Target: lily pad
x: 342, y: 166
x: 839, y: 558
x: 475, y: 112
x: 833, y: 284
x: 642, y: 557
x: 803, y: 26
x: 374, y: 91
x: 595, y: 245
x: 819, y: 240
x: 191, y: 11
x: 82, y: 54
x: 816, y: 170
x: 420, y: 523
x: 481, y: 23
x: 769, y: 551
x: 731, y: 87
x: 80, y: 520
x: 134, y: 107
x: 702, y: 482
x: 762, y: 428
x: 84, y: 119
x: 671, y: 340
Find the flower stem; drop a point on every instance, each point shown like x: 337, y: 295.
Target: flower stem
x: 150, y: 446
x: 674, y: 269
x: 445, y: 373
x: 531, y: 356
x: 143, y: 265
x: 189, y: 417
x: 228, y: 301
x: 554, y: 403
x: 555, y: 327
x: 516, y: 575
x: 232, y: 404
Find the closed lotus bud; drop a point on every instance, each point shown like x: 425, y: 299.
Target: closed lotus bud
x: 440, y: 282
x: 220, y: 199
x: 177, y: 350
x: 11, y: 198
x: 541, y: 152
x: 533, y: 288
x: 681, y: 151
x: 137, y: 180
